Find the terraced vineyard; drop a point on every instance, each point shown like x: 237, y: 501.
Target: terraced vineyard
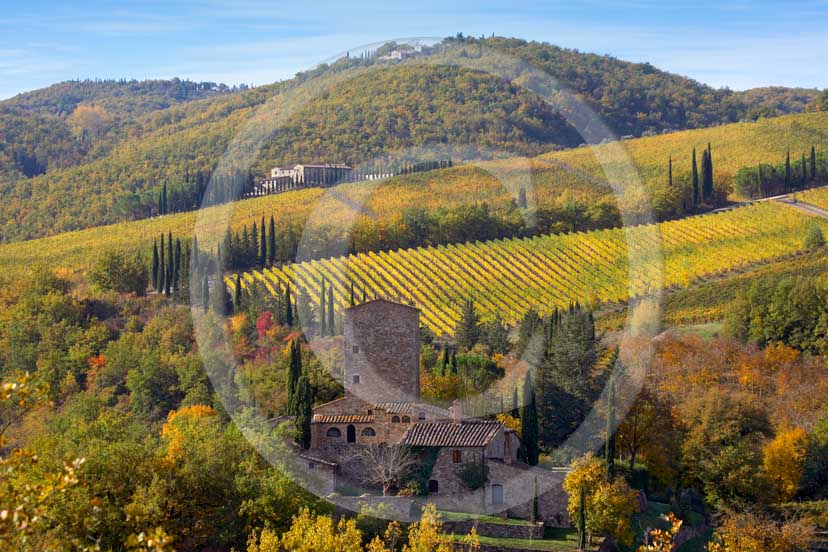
x: 510, y: 276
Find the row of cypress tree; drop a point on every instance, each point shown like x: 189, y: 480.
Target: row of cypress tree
x: 701, y: 181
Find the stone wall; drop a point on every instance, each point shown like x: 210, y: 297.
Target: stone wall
x: 496, y: 530
x: 382, y: 352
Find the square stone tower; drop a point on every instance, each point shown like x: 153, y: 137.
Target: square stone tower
x: 382, y: 352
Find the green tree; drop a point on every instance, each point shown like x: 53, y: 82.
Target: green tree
x: 154, y: 273
x: 468, y: 330
x: 293, y: 375
x: 120, y: 271
x: 262, y: 245
x: 304, y: 410
x: 168, y: 275
x: 221, y: 301
x: 695, y: 177
x: 237, y: 293
x: 496, y: 336
x: 814, y: 482
x: 323, y: 314
x: 529, y: 423
x: 288, y: 306
x: 330, y: 304
x: 814, y: 239
x: 271, y: 242
x: 813, y: 164
x: 722, y: 449
x: 788, y: 177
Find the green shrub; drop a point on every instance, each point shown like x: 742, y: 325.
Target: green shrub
x: 120, y: 271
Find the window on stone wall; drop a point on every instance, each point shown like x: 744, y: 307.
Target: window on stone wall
x: 311, y: 466
x: 456, y: 456
x: 433, y: 486
x: 421, y: 416
x: 333, y: 432
x: 395, y: 420
x: 355, y: 349
x: 369, y: 432
x: 406, y: 420
x: 497, y: 494
x: 356, y: 378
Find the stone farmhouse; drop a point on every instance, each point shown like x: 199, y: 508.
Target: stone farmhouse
x: 382, y: 406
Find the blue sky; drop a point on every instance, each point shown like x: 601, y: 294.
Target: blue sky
x: 737, y: 44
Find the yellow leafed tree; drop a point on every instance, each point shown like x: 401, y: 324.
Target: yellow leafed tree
x: 784, y: 457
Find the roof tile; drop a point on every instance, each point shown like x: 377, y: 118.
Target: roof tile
x: 467, y: 433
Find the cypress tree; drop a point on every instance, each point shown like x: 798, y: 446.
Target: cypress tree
x: 446, y: 361
x: 529, y: 423
x: 609, y: 449
x: 288, y: 306
x: 813, y: 163
x: 162, y: 267
x: 467, y: 333
x: 205, y: 293
x: 195, y: 252
x: 364, y: 295
x: 170, y: 264
x: 670, y: 171
x: 294, y: 373
x: 262, y: 246
x: 331, y: 325
x: 237, y: 294
x: 515, y: 403
x: 322, y: 313
x: 164, y: 199
x: 454, y: 363
x: 271, y: 241
x: 695, y: 176
x: 177, y: 265
x: 788, y: 171
x: 304, y: 410
x: 253, y: 255
x: 222, y: 302
x: 155, y: 264
x: 352, y: 303
x: 707, y: 174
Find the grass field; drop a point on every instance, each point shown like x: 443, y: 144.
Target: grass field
x: 508, y: 277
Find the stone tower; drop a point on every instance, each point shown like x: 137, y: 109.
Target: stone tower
x: 382, y: 352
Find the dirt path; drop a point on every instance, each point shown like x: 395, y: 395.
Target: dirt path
x: 806, y: 207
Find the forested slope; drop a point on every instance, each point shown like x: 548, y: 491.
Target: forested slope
x: 114, y: 144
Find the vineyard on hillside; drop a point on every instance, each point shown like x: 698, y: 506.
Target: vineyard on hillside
x: 508, y: 277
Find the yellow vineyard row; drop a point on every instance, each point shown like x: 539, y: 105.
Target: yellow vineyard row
x: 508, y: 277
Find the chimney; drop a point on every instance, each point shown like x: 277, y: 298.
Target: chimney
x: 456, y: 411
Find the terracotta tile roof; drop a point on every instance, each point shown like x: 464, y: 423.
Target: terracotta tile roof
x: 409, y: 407
x: 468, y: 433
x: 342, y: 419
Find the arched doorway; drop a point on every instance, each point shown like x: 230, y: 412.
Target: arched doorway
x: 351, y: 434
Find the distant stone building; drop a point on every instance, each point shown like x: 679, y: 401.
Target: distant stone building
x: 382, y: 407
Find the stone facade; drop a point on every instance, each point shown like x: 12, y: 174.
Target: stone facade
x: 382, y: 352
x: 381, y: 407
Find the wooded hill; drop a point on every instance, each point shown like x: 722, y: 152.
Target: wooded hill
x: 84, y: 154
x: 565, y: 185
